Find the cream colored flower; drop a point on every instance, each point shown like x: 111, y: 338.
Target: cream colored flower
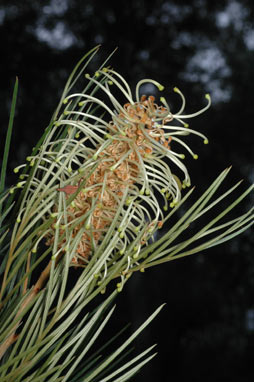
x: 128, y: 152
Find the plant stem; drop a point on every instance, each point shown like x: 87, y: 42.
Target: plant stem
x: 33, y: 292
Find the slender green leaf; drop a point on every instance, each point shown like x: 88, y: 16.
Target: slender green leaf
x: 123, y: 346
x: 8, y: 139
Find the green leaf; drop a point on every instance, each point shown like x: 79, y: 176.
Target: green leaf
x: 122, y: 347
x: 8, y: 139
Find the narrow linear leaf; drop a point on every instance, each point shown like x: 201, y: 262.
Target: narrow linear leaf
x: 8, y: 139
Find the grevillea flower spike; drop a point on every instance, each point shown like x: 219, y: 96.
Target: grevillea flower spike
x: 105, y: 176
x: 126, y: 152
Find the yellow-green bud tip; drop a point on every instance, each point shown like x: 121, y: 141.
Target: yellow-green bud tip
x: 206, y: 141
x: 16, y: 170
x: 186, y: 125
x: 110, y: 82
x: 161, y: 88
x: 162, y: 99
x: 87, y: 75
x: 195, y: 156
x: 207, y: 96
x: 176, y: 90
x: 182, y: 156
x: 65, y: 101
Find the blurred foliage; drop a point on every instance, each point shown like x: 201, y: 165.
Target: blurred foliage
x: 200, y: 46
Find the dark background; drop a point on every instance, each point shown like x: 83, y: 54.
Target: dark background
x: 206, y: 330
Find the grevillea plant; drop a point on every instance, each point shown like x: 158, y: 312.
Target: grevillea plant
x: 94, y: 191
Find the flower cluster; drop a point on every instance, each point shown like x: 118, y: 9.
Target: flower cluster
x: 126, y: 154
x: 115, y: 167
